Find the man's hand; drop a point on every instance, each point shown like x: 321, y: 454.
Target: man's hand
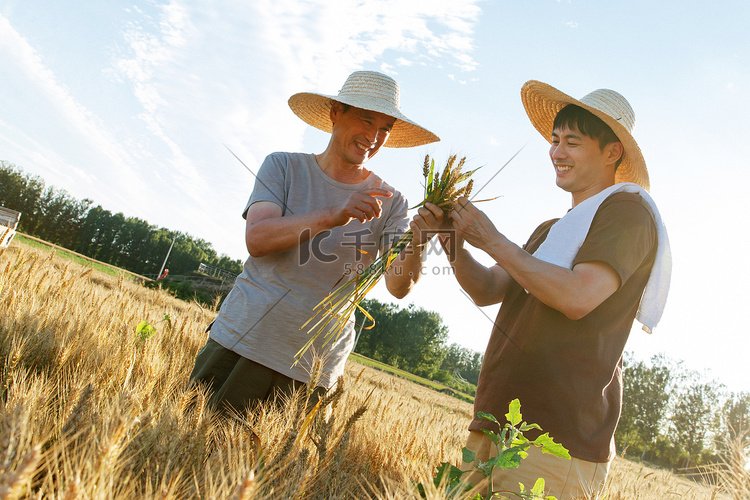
x: 362, y: 205
x: 406, y: 269
x: 486, y: 286
x: 473, y: 225
x: 428, y: 221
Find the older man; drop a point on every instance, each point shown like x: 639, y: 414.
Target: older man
x: 311, y: 218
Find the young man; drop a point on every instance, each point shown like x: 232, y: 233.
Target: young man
x: 569, y: 296
x: 311, y: 219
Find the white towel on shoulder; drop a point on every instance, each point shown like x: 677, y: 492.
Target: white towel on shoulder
x: 567, y: 235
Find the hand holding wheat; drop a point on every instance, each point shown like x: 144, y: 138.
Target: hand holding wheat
x: 332, y: 313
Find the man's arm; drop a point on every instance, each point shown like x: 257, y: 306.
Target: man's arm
x: 485, y: 285
x: 574, y: 292
x: 405, y: 271
x: 407, y: 268
x: 267, y: 232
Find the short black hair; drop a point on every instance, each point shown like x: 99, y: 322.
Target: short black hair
x: 587, y: 123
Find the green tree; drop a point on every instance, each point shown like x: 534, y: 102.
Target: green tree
x: 21, y: 192
x: 736, y: 417
x: 694, y: 415
x: 128, y: 242
x: 98, y: 235
x: 51, y: 214
x: 410, y: 338
x: 161, y: 240
x: 88, y: 233
x: 226, y: 263
x: 110, y: 240
x: 59, y: 217
x: 187, y: 254
x: 647, y: 388
x: 464, y: 360
x: 134, y: 242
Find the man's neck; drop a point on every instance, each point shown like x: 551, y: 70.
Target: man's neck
x: 341, y: 171
x: 581, y: 196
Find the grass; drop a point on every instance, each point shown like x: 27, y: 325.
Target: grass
x: 89, y: 409
x: 358, y: 358
x: 75, y: 257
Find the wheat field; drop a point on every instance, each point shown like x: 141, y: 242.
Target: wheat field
x: 91, y: 409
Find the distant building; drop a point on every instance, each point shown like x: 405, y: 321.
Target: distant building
x: 8, y: 224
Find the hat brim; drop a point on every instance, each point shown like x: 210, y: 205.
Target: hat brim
x: 543, y: 102
x: 315, y: 109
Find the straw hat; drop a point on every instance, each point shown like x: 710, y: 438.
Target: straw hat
x: 543, y: 102
x: 366, y: 90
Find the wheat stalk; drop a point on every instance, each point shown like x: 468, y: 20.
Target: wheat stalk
x: 331, y: 314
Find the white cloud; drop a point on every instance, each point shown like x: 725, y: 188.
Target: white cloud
x: 28, y: 151
x: 325, y: 36
x: 40, y: 81
x: 29, y: 62
x: 157, y: 48
x: 457, y: 80
x: 278, y: 47
x: 388, y: 68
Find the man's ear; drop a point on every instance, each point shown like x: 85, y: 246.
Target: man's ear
x: 335, y: 111
x: 615, y: 151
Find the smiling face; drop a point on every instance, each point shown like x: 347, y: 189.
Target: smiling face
x: 582, y: 167
x: 358, y: 134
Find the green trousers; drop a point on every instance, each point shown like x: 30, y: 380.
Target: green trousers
x: 236, y: 382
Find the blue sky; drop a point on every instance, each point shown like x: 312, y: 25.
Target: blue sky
x: 131, y: 104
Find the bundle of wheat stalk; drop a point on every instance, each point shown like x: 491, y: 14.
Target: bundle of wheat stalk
x: 332, y: 313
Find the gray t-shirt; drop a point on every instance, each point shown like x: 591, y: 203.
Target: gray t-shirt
x: 275, y: 295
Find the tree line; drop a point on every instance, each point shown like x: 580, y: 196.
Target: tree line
x: 676, y: 417
x: 127, y: 242
x: 414, y: 340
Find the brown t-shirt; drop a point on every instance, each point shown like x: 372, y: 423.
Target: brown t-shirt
x: 568, y: 374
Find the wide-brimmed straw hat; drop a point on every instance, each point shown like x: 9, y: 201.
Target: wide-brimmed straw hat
x: 543, y: 102
x: 367, y: 90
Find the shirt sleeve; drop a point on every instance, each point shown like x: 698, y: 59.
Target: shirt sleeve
x: 397, y: 222
x: 538, y: 236
x: 270, y: 183
x: 622, y: 235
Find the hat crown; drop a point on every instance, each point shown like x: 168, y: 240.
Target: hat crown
x: 613, y: 104
x: 371, y: 85
x: 368, y: 90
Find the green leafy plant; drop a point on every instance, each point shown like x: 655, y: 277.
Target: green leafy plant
x: 143, y: 332
x: 511, y: 446
x: 146, y: 330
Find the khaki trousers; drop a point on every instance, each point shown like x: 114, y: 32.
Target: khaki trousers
x: 565, y: 479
